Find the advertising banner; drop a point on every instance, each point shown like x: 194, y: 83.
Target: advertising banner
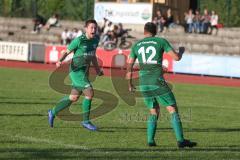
x: 115, y: 58
x: 53, y: 53
x: 14, y: 51
x: 216, y: 65
x: 136, y: 13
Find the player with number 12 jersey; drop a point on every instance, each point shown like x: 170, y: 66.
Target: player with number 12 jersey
x: 149, y: 53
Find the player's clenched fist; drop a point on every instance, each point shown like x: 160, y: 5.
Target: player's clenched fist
x: 58, y: 64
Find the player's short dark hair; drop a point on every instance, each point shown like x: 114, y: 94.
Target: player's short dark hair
x: 151, y: 28
x: 90, y: 21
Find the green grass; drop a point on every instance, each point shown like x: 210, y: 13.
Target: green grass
x: 210, y: 116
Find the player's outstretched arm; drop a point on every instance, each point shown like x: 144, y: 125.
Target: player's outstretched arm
x: 64, y: 54
x: 177, y: 56
x: 130, y: 63
x: 96, y: 66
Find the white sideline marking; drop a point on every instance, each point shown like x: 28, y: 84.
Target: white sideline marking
x: 48, y: 141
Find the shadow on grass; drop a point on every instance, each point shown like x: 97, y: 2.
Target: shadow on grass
x: 110, y: 153
x: 124, y: 129
x: 24, y: 98
x: 23, y: 115
x: 27, y: 103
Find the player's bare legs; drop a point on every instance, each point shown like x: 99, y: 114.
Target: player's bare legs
x: 86, y: 106
x: 177, y: 127
x: 88, y: 93
x: 74, y: 95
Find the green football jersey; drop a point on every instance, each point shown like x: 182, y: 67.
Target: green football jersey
x: 83, y: 49
x: 149, y: 53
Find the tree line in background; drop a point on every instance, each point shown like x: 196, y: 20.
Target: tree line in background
x: 228, y: 10
x: 66, y: 9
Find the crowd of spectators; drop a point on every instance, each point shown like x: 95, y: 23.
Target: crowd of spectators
x: 164, y: 21
x: 111, y: 32
x: 197, y: 23
x: 68, y: 35
x: 194, y: 21
x: 107, y: 32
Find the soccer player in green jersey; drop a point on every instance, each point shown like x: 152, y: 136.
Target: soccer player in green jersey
x: 84, y: 49
x: 149, y: 52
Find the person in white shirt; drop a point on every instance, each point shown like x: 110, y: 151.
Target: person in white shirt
x: 107, y: 32
x: 213, y: 21
x: 52, y: 22
x: 64, y: 37
x: 189, y: 20
x: 74, y: 33
x: 79, y: 33
x: 69, y: 36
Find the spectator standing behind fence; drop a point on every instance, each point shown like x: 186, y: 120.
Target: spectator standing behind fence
x: 53, y: 22
x: 169, y: 19
x: 107, y: 32
x: 79, y: 33
x: 64, y: 37
x: 189, y: 20
x: 69, y: 36
x: 74, y: 33
x: 214, y: 21
x: 121, y: 31
x: 205, y: 22
x: 105, y: 23
x: 108, y: 27
x: 196, y: 21
x: 114, y: 34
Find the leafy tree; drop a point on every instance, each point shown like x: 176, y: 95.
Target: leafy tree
x: 67, y: 9
x: 5, y: 7
x: 227, y: 10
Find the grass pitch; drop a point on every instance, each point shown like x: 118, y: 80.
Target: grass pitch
x: 210, y: 116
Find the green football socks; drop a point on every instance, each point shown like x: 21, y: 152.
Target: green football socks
x: 86, y: 106
x: 151, y: 128
x: 62, y: 104
x: 177, y: 126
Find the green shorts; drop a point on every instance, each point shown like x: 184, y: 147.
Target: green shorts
x: 155, y: 90
x: 163, y: 100
x: 80, y: 80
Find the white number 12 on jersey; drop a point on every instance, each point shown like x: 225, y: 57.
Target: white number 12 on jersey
x: 150, y: 50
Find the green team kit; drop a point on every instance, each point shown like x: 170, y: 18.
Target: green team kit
x: 84, y: 49
x: 149, y: 53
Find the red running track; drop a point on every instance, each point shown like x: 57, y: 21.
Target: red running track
x: 179, y: 78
